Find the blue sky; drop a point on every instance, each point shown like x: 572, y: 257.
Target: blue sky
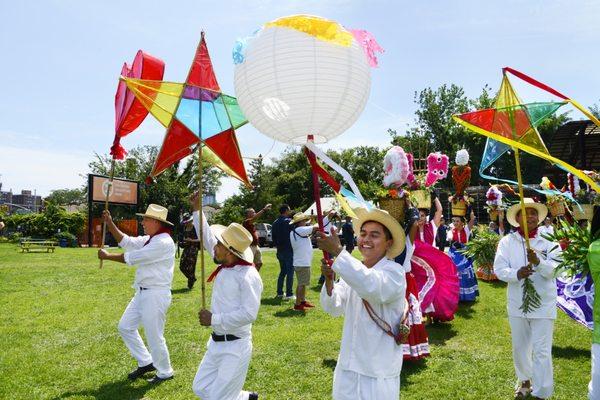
x: 61, y: 60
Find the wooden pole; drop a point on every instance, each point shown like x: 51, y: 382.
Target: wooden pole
x: 521, y: 198
x: 108, y: 191
x: 200, y: 190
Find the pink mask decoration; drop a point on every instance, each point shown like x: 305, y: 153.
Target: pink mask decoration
x: 368, y: 43
x: 437, y: 168
x: 395, y: 167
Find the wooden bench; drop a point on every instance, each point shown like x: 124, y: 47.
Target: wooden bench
x: 28, y: 245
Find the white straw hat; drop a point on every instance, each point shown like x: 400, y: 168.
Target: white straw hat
x: 156, y: 212
x: 236, y: 239
x: 385, y: 219
x: 511, y: 213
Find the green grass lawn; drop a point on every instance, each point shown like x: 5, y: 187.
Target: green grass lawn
x: 58, y: 332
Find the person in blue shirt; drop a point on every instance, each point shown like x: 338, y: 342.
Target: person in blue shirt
x: 280, y: 230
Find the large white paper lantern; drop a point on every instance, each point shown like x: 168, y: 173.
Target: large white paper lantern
x: 290, y: 83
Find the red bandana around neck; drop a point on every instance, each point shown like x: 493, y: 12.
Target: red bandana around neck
x: 163, y: 229
x: 532, y: 233
x: 220, y: 267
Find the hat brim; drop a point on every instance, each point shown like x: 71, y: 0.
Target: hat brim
x: 385, y: 219
x: 305, y: 218
x: 511, y: 213
x: 247, y: 255
x: 164, y: 221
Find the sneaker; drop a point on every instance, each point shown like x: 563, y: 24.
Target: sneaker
x: 140, y: 371
x: 279, y: 296
x: 292, y: 298
x: 523, y: 391
x: 299, y: 307
x: 157, y: 379
x: 307, y: 304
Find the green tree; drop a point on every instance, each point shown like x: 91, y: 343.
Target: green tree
x: 65, y: 197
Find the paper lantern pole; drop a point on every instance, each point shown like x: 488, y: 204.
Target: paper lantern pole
x: 317, y: 196
x: 108, y: 190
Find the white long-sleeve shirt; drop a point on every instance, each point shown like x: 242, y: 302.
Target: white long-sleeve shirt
x: 236, y: 291
x: 366, y: 349
x: 155, y: 261
x: 511, y: 256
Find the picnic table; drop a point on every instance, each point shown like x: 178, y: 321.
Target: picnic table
x: 28, y: 245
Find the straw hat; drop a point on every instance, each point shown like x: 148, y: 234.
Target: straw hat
x: 156, y: 212
x: 235, y: 238
x: 299, y: 217
x: 385, y: 219
x: 511, y: 213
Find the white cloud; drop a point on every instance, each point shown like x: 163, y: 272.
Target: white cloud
x: 41, y: 170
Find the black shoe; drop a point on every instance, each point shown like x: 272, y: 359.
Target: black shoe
x: 141, y: 371
x: 253, y: 396
x: 158, y: 379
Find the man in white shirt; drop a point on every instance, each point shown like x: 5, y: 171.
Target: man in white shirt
x: 371, y: 296
x: 234, y: 306
x: 154, y: 256
x: 532, y: 331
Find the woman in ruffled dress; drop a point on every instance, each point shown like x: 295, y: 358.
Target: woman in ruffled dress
x: 434, y: 272
x: 416, y: 344
x: 458, y: 236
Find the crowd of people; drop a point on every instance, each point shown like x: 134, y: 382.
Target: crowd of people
x: 407, y: 272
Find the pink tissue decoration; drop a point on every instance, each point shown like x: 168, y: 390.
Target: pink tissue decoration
x: 395, y: 167
x: 369, y: 45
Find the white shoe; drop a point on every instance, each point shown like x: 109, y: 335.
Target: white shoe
x: 292, y: 298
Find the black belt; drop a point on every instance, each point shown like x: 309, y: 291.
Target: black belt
x: 223, y: 338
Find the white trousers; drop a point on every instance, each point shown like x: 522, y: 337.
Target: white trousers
x: 349, y: 385
x: 532, y: 353
x: 148, y: 308
x: 594, y: 386
x: 222, y: 371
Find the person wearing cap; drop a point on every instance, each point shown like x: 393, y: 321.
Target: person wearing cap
x: 248, y: 223
x: 303, y: 254
x: 154, y: 256
x: 531, y: 332
x: 190, y: 244
x: 235, y: 300
x: 371, y: 296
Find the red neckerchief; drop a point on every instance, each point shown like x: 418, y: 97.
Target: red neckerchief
x: 457, y: 237
x: 163, y: 229
x: 220, y: 267
x: 531, y: 233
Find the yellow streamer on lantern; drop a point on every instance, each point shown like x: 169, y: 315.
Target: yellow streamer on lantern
x: 321, y: 28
